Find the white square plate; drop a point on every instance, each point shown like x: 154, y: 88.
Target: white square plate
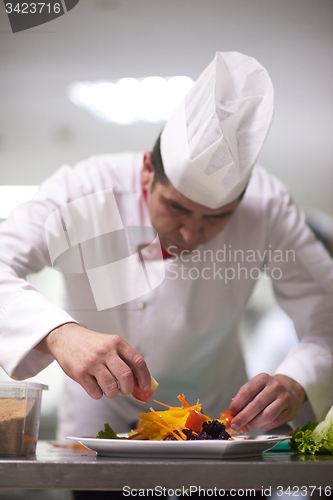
x: 240, y: 447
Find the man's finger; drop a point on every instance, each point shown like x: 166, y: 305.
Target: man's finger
x: 107, y: 381
x: 90, y: 385
x: 253, y: 410
x: 121, y: 374
x: 247, y: 393
x: 282, y: 418
x: 136, y: 362
x: 269, y: 415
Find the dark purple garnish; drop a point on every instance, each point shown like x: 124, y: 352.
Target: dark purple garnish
x: 213, y: 429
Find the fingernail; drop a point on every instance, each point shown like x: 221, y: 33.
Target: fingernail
x: 147, y: 388
x: 235, y: 426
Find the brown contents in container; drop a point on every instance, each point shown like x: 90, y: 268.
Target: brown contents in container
x: 12, y: 418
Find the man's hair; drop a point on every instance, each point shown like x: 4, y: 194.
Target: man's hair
x: 159, y: 173
x: 157, y: 162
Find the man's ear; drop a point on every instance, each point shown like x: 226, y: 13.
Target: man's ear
x: 147, y: 174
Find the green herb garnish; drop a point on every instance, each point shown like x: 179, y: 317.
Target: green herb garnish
x: 108, y: 433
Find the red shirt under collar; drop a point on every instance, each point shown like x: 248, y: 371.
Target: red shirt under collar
x: 165, y: 254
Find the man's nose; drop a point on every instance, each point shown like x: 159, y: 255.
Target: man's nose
x: 191, y: 231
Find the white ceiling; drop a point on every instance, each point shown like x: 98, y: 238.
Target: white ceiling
x: 108, y: 39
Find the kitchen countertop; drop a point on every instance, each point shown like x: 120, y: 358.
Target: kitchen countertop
x: 55, y: 467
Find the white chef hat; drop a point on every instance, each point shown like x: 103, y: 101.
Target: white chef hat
x: 211, y: 142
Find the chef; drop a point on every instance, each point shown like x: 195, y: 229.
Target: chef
x: 160, y: 252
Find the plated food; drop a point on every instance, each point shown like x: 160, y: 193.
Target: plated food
x: 179, y: 432
x: 182, y: 423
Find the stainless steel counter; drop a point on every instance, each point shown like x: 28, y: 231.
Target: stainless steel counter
x: 64, y: 468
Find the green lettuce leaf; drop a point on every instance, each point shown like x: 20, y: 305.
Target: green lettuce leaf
x: 301, y: 440
x: 323, y: 433
x: 108, y: 433
x: 313, y: 438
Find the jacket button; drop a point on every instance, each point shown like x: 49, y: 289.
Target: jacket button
x: 141, y: 305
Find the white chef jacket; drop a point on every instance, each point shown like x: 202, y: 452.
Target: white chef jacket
x: 185, y: 328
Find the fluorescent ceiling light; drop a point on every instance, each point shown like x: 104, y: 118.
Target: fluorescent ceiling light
x: 130, y: 100
x: 12, y: 196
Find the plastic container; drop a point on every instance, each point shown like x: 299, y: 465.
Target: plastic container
x: 20, y: 405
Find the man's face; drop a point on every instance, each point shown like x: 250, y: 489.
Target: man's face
x: 181, y: 223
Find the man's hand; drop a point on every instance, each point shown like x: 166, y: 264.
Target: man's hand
x: 266, y: 402
x: 96, y: 360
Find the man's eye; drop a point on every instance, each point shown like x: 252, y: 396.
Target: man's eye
x: 216, y: 218
x: 178, y: 208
